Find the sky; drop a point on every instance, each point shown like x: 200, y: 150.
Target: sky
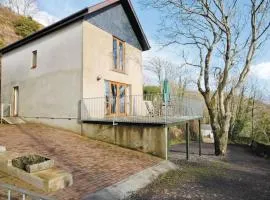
x: 53, y: 10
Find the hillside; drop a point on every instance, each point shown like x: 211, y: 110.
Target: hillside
x: 14, y: 27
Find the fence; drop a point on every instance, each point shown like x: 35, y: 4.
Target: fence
x: 141, y: 108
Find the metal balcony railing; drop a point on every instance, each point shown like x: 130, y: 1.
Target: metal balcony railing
x: 141, y: 109
x: 24, y: 194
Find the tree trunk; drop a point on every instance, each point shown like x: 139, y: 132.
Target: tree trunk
x: 223, y: 143
x: 221, y: 134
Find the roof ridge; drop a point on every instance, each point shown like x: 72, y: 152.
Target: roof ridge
x: 100, y: 5
x: 80, y: 15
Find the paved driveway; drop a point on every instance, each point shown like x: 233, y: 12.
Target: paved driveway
x: 93, y: 164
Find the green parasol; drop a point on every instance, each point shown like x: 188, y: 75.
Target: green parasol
x: 166, y: 91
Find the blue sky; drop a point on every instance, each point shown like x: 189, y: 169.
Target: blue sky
x: 149, y: 19
x: 58, y: 9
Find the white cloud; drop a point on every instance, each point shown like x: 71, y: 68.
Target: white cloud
x: 45, y: 18
x: 261, y: 71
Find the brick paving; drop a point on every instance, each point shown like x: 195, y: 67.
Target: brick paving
x: 93, y: 164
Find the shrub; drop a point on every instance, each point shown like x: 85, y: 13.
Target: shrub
x: 147, y: 90
x: 25, y: 26
x: 260, y: 149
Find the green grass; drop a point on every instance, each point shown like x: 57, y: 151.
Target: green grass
x: 190, y: 171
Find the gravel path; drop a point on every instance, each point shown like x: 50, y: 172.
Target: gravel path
x: 240, y: 175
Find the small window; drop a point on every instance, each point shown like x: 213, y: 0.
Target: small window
x: 118, y: 55
x: 34, y: 60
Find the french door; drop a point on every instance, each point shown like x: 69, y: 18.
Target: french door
x: 116, y: 98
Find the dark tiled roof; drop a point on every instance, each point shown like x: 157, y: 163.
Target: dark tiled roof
x: 80, y: 15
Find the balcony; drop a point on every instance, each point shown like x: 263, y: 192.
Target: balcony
x: 141, y: 109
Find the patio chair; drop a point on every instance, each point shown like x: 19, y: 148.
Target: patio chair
x: 151, y: 109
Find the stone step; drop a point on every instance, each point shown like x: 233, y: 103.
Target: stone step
x: 13, y: 120
x: 2, y: 149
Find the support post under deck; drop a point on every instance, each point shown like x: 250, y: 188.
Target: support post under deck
x: 200, y: 139
x: 187, y: 141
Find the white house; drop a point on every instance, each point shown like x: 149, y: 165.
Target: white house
x: 84, y: 73
x: 46, y: 75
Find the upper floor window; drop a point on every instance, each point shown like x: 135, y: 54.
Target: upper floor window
x: 34, y: 59
x: 118, y: 55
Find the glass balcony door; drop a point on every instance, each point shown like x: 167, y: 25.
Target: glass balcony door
x: 116, y: 98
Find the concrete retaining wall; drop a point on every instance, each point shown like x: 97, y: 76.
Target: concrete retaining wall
x: 151, y: 140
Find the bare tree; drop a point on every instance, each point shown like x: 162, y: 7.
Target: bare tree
x: 21, y: 7
x: 162, y: 68
x: 156, y: 66
x: 224, y: 37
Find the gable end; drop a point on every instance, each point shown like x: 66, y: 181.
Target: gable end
x: 114, y: 20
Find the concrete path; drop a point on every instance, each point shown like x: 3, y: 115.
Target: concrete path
x: 133, y: 183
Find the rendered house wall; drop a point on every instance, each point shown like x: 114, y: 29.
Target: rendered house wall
x: 98, y: 61
x: 50, y: 93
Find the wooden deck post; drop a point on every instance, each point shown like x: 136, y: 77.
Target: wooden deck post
x: 187, y: 140
x: 200, y: 139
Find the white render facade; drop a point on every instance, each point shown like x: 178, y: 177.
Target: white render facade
x: 69, y: 60
x: 51, y: 92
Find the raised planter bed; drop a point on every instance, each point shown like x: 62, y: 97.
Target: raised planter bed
x: 36, y: 170
x: 32, y: 163
x: 2, y: 149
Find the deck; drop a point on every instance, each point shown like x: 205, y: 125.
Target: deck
x: 141, y: 109
x: 143, y: 120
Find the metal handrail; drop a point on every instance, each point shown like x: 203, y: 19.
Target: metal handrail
x: 140, y: 108
x: 2, y: 111
x: 23, y: 192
